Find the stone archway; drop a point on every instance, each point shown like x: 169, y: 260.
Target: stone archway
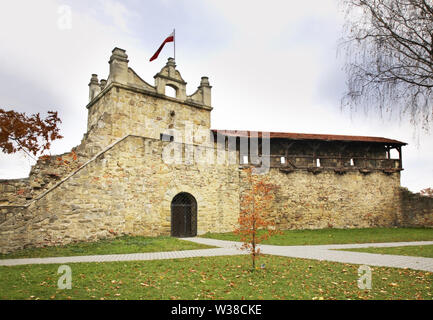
x: 183, y: 215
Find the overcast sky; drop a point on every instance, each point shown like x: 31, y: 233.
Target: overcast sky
x: 273, y: 66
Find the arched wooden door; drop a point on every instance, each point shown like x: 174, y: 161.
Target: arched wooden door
x: 183, y: 215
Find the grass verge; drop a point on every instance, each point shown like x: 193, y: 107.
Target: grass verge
x: 124, y: 244
x: 337, y: 236
x: 209, y: 278
x: 414, y: 251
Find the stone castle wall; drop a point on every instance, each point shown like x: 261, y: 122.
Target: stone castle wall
x: 126, y: 190
x: 45, y: 174
x: 417, y: 210
x: 305, y: 200
x: 14, y: 191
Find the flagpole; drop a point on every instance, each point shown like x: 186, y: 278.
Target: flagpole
x: 174, y: 38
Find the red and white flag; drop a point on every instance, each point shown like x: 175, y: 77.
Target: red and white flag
x: 170, y: 38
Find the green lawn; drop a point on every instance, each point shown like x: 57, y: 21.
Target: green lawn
x: 415, y: 251
x: 338, y: 236
x: 125, y: 244
x: 213, y: 278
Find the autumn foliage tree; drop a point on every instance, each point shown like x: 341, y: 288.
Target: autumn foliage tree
x: 254, y: 220
x: 31, y: 134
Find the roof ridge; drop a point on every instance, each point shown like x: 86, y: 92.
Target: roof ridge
x: 312, y: 136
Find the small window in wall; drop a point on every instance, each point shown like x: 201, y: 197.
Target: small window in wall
x: 170, y: 92
x: 351, y: 162
x: 244, y: 159
x: 283, y: 160
x: 166, y: 137
x: 317, y: 162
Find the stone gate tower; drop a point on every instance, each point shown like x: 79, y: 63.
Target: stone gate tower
x: 125, y: 104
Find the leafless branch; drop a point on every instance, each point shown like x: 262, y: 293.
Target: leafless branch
x: 389, y: 56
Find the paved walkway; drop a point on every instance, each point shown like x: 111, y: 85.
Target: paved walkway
x: 331, y: 253
x: 317, y: 252
x: 125, y: 257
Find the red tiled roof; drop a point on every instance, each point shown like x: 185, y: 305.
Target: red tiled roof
x: 309, y: 136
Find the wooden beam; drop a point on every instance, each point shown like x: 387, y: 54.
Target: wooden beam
x: 400, y: 158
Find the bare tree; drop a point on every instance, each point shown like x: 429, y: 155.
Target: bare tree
x: 389, y: 57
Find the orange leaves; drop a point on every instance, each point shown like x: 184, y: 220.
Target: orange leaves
x: 31, y: 134
x: 256, y: 205
x: 60, y: 161
x: 72, y: 156
x: 44, y: 157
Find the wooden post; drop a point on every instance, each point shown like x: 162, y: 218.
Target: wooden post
x: 287, y: 147
x: 400, y: 158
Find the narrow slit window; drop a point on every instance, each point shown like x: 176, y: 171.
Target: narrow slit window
x: 166, y: 137
x: 244, y: 159
x: 283, y: 160
x: 351, y: 162
x: 317, y: 162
